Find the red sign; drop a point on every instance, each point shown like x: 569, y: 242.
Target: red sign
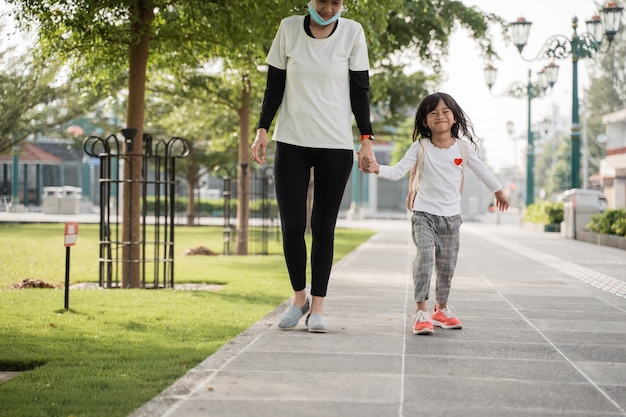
x: 71, y: 233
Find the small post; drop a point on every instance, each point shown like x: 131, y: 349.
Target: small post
x: 67, y: 278
x: 71, y: 233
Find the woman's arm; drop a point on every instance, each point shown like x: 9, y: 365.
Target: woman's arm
x: 274, y: 91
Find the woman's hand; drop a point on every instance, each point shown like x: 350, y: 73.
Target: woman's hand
x: 259, y: 146
x: 366, y: 153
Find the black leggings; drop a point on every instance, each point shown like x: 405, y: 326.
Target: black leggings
x: 292, y: 170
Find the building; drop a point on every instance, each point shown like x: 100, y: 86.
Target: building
x: 612, y: 176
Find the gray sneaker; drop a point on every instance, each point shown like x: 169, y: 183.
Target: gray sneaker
x: 292, y: 316
x: 315, y: 323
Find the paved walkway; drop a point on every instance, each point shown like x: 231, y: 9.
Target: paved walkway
x: 544, y: 335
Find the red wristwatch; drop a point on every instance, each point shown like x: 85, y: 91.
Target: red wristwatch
x: 370, y: 137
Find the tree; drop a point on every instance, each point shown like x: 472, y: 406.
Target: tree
x: 182, y: 106
x: 35, y: 97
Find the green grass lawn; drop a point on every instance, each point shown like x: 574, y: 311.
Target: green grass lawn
x: 116, y: 349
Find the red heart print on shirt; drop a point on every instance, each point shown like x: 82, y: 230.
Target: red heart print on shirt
x: 458, y: 161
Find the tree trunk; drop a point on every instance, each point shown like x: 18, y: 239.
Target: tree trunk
x: 141, y: 18
x: 243, y: 170
x: 191, y: 195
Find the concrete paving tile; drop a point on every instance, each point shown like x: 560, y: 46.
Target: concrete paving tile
x: 370, y: 309
x: 485, y: 334
x: 518, y: 290
x: 617, y: 394
x: 331, y: 342
x: 608, y: 315
x: 340, y: 363
x: 471, y: 283
x: 594, y: 353
x: 490, y: 368
x: 480, y: 411
x: 507, y: 325
x: 188, y: 383
x: 385, y: 327
x: 487, y: 317
x: 560, y: 337
x: 604, y: 373
x: 159, y: 406
x: 429, y: 345
x: 605, y: 325
x: 535, y: 281
x: 260, y: 408
x: 498, y: 393
x: 561, y: 302
x: 301, y: 386
x: 488, y: 298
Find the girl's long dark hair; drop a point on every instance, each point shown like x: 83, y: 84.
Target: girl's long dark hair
x: 462, y: 128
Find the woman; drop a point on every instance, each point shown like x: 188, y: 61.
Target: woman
x: 318, y: 77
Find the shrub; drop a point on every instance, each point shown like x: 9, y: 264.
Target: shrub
x: 546, y: 212
x: 610, y: 222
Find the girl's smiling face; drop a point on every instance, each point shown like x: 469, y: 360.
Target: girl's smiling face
x: 440, y: 119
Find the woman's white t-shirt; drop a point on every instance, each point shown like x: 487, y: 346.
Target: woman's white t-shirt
x: 316, y: 110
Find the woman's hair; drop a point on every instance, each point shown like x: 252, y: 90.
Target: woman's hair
x: 463, y: 126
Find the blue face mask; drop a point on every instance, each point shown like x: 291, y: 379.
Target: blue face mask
x: 318, y: 19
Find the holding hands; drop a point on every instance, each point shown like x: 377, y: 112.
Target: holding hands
x: 367, y: 159
x: 369, y: 165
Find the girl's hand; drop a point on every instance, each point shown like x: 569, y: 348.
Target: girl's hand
x: 502, y: 203
x: 259, y: 146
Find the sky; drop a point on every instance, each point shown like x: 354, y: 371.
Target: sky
x: 464, y: 75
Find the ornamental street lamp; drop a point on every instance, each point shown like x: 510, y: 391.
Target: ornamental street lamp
x: 585, y: 45
x: 546, y: 78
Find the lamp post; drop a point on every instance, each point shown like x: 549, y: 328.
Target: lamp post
x: 546, y: 78
x: 585, y: 45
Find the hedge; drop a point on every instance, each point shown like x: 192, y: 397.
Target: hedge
x: 215, y: 207
x: 546, y: 212
x: 610, y: 222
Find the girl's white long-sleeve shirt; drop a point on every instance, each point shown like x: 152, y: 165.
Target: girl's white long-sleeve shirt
x: 439, y: 189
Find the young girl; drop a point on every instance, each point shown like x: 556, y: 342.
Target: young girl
x: 437, y: 160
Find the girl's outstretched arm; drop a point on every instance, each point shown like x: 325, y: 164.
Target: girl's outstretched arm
x: 400, y: 169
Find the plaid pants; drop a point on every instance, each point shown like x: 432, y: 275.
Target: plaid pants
x: 436, y: 240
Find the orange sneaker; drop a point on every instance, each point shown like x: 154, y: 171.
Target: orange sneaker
x: 446, y: 319
x: 422, y: 323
